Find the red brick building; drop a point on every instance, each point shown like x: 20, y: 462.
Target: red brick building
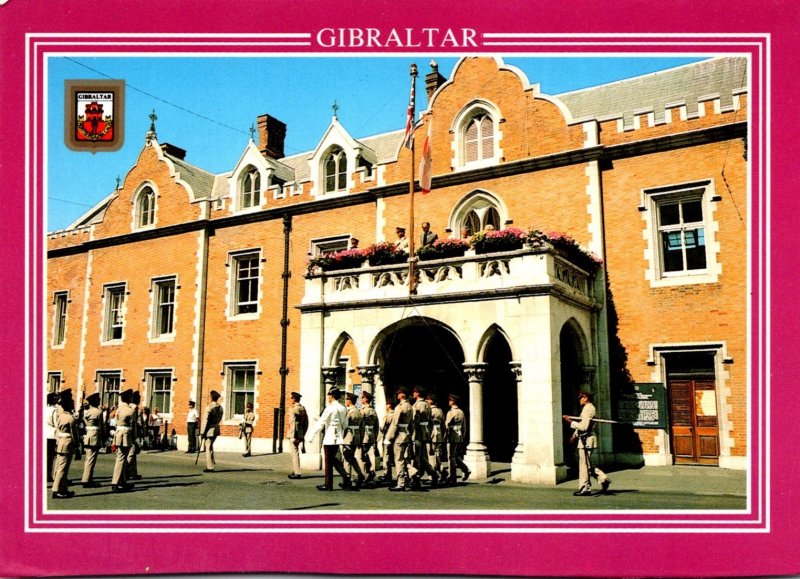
x: 182, y: 281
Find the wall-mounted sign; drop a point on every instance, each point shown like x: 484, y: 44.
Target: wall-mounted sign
x: 645, y: 407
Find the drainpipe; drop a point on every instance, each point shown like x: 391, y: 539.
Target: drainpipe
x: 287, y: 228
x: 201, y: 322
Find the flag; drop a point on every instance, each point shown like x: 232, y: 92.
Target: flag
x: 408, y: 139
x: 425, y: 163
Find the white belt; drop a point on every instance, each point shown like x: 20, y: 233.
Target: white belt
x: 423, y: 424
x: 403, y: 427
x: 353, y: 428
x: 123, y: 428
x: 64, y: 435
x: 91, y: 428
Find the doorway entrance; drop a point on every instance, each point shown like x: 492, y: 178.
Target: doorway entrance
x: 572, y: 378
x: 500, y: 418
x: 694, y: 428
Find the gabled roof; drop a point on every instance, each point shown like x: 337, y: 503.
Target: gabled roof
x: 201, y: 181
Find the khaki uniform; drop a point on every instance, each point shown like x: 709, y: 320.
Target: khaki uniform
x: 211, y: 431
x: 66, y: 443
x: 399, y: 436
x: 298, y: 425
x: 352, y: 442
x: 438, y: 457
x: 369, y: 440
x: 138, y: 432
x: 456, y: 425
x: 422, y: 437
x: 247, y: 430
x: 388, y: 453
x: 587, y: 442
x: 124, y: 440
x: 92, y: 441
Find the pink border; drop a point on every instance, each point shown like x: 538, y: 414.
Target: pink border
x: 523, y: 547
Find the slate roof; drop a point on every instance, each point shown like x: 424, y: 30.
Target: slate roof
x: 201, y: 181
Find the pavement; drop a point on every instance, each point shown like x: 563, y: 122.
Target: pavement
x: 172, y: 481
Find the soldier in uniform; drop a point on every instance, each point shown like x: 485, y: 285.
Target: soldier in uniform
x: 123, y: 439
x: 66, y: 444
x: 50, y: 414
x: 246, y: 427
x: 334, y: 420
x: 422, y: 438
x: 211, y: 429
x: 456, y: 426
x: 587, y: 442
x: 438, y: 443
x: 353, y: 435
x: 388, y: 451
x: 93, y: 440
x: 191, y: 427
x: 138, y: 433
x: 298, y: 425
x: 399, y: 436
x: 370, y: 429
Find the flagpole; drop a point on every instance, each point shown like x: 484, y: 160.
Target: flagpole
x: 412, y: 282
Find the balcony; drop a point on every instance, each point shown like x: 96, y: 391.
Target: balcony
x: 527, y: 271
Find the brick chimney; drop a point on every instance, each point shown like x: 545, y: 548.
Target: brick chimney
x: 173, y: 151
x: 271, y: 136
x: 433, y: 80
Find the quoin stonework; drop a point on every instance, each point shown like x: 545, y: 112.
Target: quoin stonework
x: 182, y: 281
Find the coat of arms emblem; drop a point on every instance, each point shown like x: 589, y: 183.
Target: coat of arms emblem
x: 94, y: 114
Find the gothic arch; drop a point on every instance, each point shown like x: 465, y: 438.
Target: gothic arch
x: 491, y: 333
x: 477, y: 207
x: 338, y: 346
x: 373, y: 353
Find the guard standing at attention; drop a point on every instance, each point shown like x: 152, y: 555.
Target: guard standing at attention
x: 93, y: 440
x: 123, y: 439
x: 298, y: 425
x: 334, y: 420
x: 352, y: 439
x: 66, y: 444
x: 191, y: 427
x: 370, y: 438
x: 246, y: 427
x: 399, y: 436
x: 456, y: 425
x: 213, y: 418
x: 422, y: 438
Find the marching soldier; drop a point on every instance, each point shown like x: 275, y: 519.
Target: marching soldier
x: 370, y: 428
x: 399, y: 436
x: 93, y: 440
x: 456, y: 425
x: 123, y: 439
x: 422, y: 438
x: 438, y: 443
x: 138, y: 432
x: 246, y: 427
x: 298, y: 425
x: 352, y: 439
x: 388, y: 451
x: 587, y: 442
x: 50, y: 414
x: 213, y: 417
x: 66, y: 444
x: 334, y: 420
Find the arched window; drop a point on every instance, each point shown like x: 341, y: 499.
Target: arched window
x: 146, y: 207
x: 250, y: 194
x: 479, y: 138
x: 476, y: 212
x: 335, y: 171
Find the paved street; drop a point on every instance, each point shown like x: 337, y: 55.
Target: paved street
x: 172, y: 481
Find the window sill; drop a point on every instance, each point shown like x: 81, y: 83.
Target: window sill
x: 688, y: 279
x: 244, y: 317
x: 162, y: 339
x: 112, y: 342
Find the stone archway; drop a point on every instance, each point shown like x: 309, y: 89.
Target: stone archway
x: 500, y: 404
x: 421, y: 352
x: 572, y: 364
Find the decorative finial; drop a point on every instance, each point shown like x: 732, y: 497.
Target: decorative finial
x: 335, y: 108
x: 434, y: 66
x: 151, y: 134
x: 413, y: 70
x: 252, y: 132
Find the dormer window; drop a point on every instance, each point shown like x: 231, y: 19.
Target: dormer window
x: 250, y: 188
x: 479, y: 138
x: 335, y: 171
x: 145, y: 207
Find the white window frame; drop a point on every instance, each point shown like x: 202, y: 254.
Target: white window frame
x: 55, y: 379
x: 480, y: 202
x: 250, y: 175
x: 231, y: 369
x: 651, y: 200
x: 138, y: 214
x: 114, y: 315
x: 151, y: 378
x: 461, y: 123
x: 157, y: 313
x: 60, y: 303
x: 235, y: 260
x: 325, y: 245
x: 340, y: 156
x: 101, y: 378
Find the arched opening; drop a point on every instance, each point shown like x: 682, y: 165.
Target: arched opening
x: 419, y: 353
x: 572, y: 379
x: 500, y: 411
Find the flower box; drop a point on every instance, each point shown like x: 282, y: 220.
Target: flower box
x: 443, y: 249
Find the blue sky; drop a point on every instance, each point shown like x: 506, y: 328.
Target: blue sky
x: 207, y: 105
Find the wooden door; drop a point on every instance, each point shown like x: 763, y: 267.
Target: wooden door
x: 693, y: 421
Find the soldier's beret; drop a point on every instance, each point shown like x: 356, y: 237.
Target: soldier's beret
x: 136, y: 397
x: 52, y: 397
x: 403, y: 229
x: 191, y: 402
x: 404, y: 390
x: 454, y: 397
x: 214, y: 394
x: 420, y: 390
x: 126, y: 396
x: 65, y: 395
x: 350, y: 396
x: 588, y: 395
x: 93, y: 399
x: 335, y: 392
x: 296, y: 395
x: 367, y: 395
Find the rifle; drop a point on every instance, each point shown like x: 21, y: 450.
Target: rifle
x: 603, y: 420
x: 200, y: 449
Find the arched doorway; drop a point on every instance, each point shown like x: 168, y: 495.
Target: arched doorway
x: 500, y: 413
x: 420, y: 352
x: 572, y: 379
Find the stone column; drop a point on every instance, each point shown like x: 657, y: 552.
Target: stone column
x: 519, y: 452
x: 368, y: 374
x: 477, y: 457
x: 330, y: 375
